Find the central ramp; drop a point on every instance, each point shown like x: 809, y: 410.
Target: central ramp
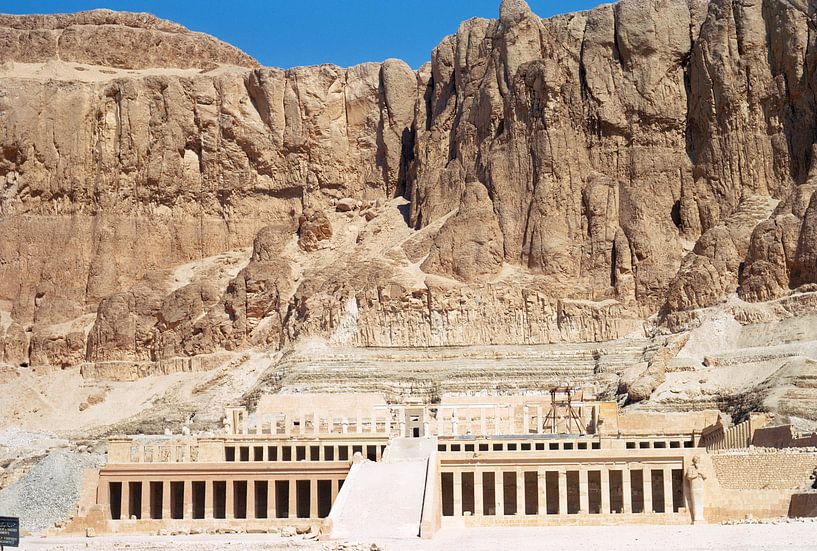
x: 384, y: 500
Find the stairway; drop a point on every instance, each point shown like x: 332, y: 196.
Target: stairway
x: 384, y: 500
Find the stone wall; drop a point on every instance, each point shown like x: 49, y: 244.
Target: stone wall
x: 764, y: 470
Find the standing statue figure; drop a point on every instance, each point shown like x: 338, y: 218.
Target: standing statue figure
x: 696, y: 489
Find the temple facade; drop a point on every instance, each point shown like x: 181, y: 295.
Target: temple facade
x: 336, y: 464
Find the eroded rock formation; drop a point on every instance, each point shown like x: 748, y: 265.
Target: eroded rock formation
x: 162, y: 195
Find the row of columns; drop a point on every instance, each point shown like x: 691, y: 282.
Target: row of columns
x: 493, y: 420
x: 583, y: 489
x: 323, y: 451
x: 313, y: 424
x: 229, y: 498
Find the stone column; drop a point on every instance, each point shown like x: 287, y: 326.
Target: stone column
x: 188, y: 499
x: 426, y: 429
x: 259, y: 424
x: 302, y: 425
x: 478, y: 506
x: 496, y: 420
x: 124, y: 508
x: 345, y: 426
x: 511, y: 420
x: 605, y: 490
x: 520, y: 491
x: 455, y: 423
x: 145, y: 504
x: 335, y: 484
x: 668, y: 490
x: 483, y: 426
x: 313, y: 499
x: 402, y: 428
x: 103, y: 497
x: 293, y: 499
x: 166, y: 499
x: 359, y: 428
x: 499, y: 493
x: 288, y: 425
x: 250, y: 498
x: 626, y: 490
x: 647, y: 489
x: 541, y: 475
x: 387, y: 423
x: 584, y: 498
x: 208, y: 498
x: 440, y: 422
x: 562, y: 491
x: 229, y: 500
x: 271, y: 512
x: 457, y: 493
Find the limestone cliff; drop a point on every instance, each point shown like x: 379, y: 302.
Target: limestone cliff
x: 163, y: 196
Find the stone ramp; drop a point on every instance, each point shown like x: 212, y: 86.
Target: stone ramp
x: 384, y: 500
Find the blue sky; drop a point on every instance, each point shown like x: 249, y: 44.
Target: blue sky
x: 285, y: 33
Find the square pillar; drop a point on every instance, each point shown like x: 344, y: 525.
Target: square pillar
x: 229, y: 500
x: 145, y: 504
x: 584, y: 501
x: 313, y: 498
x: 499, y: 493
x: 271, y: 512
x: 478, y: 505
x: 647, y: 489
x: 188, y: 499
x: 541, y: 474
x: 250, y: 498
x: 335, y: 489
x: 626, y: 490
x: 293, y: 499
x: 208, y: 499
x: 124, y: 507
x: 359, y: 428
x: 166, y: 499
x: 496, y: 419
x: 525, y: 420
x: 457, y: 494
x: 520, y: 492
x: 302, y: 425
x: 440, y: 423
x: 605, y: 490
x: 483, y: 426
x: 511, y: 420
x: 668, y: 490
x: 562, y: 491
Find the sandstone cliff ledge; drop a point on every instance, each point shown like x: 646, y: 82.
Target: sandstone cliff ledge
x: 538, y: 181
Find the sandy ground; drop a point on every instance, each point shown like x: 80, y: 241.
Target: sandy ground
x: 794, y: 536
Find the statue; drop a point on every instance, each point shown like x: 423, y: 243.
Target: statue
x: 696, y: 489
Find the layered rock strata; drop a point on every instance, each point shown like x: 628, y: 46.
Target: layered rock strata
x: 163, y: 196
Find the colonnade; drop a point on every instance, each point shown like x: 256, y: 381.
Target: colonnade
x: 580, y: 489
x: 205, y: 498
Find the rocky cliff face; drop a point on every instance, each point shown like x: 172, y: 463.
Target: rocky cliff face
x: 538, y: 181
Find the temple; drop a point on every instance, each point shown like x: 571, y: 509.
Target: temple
x: 342, y: 464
